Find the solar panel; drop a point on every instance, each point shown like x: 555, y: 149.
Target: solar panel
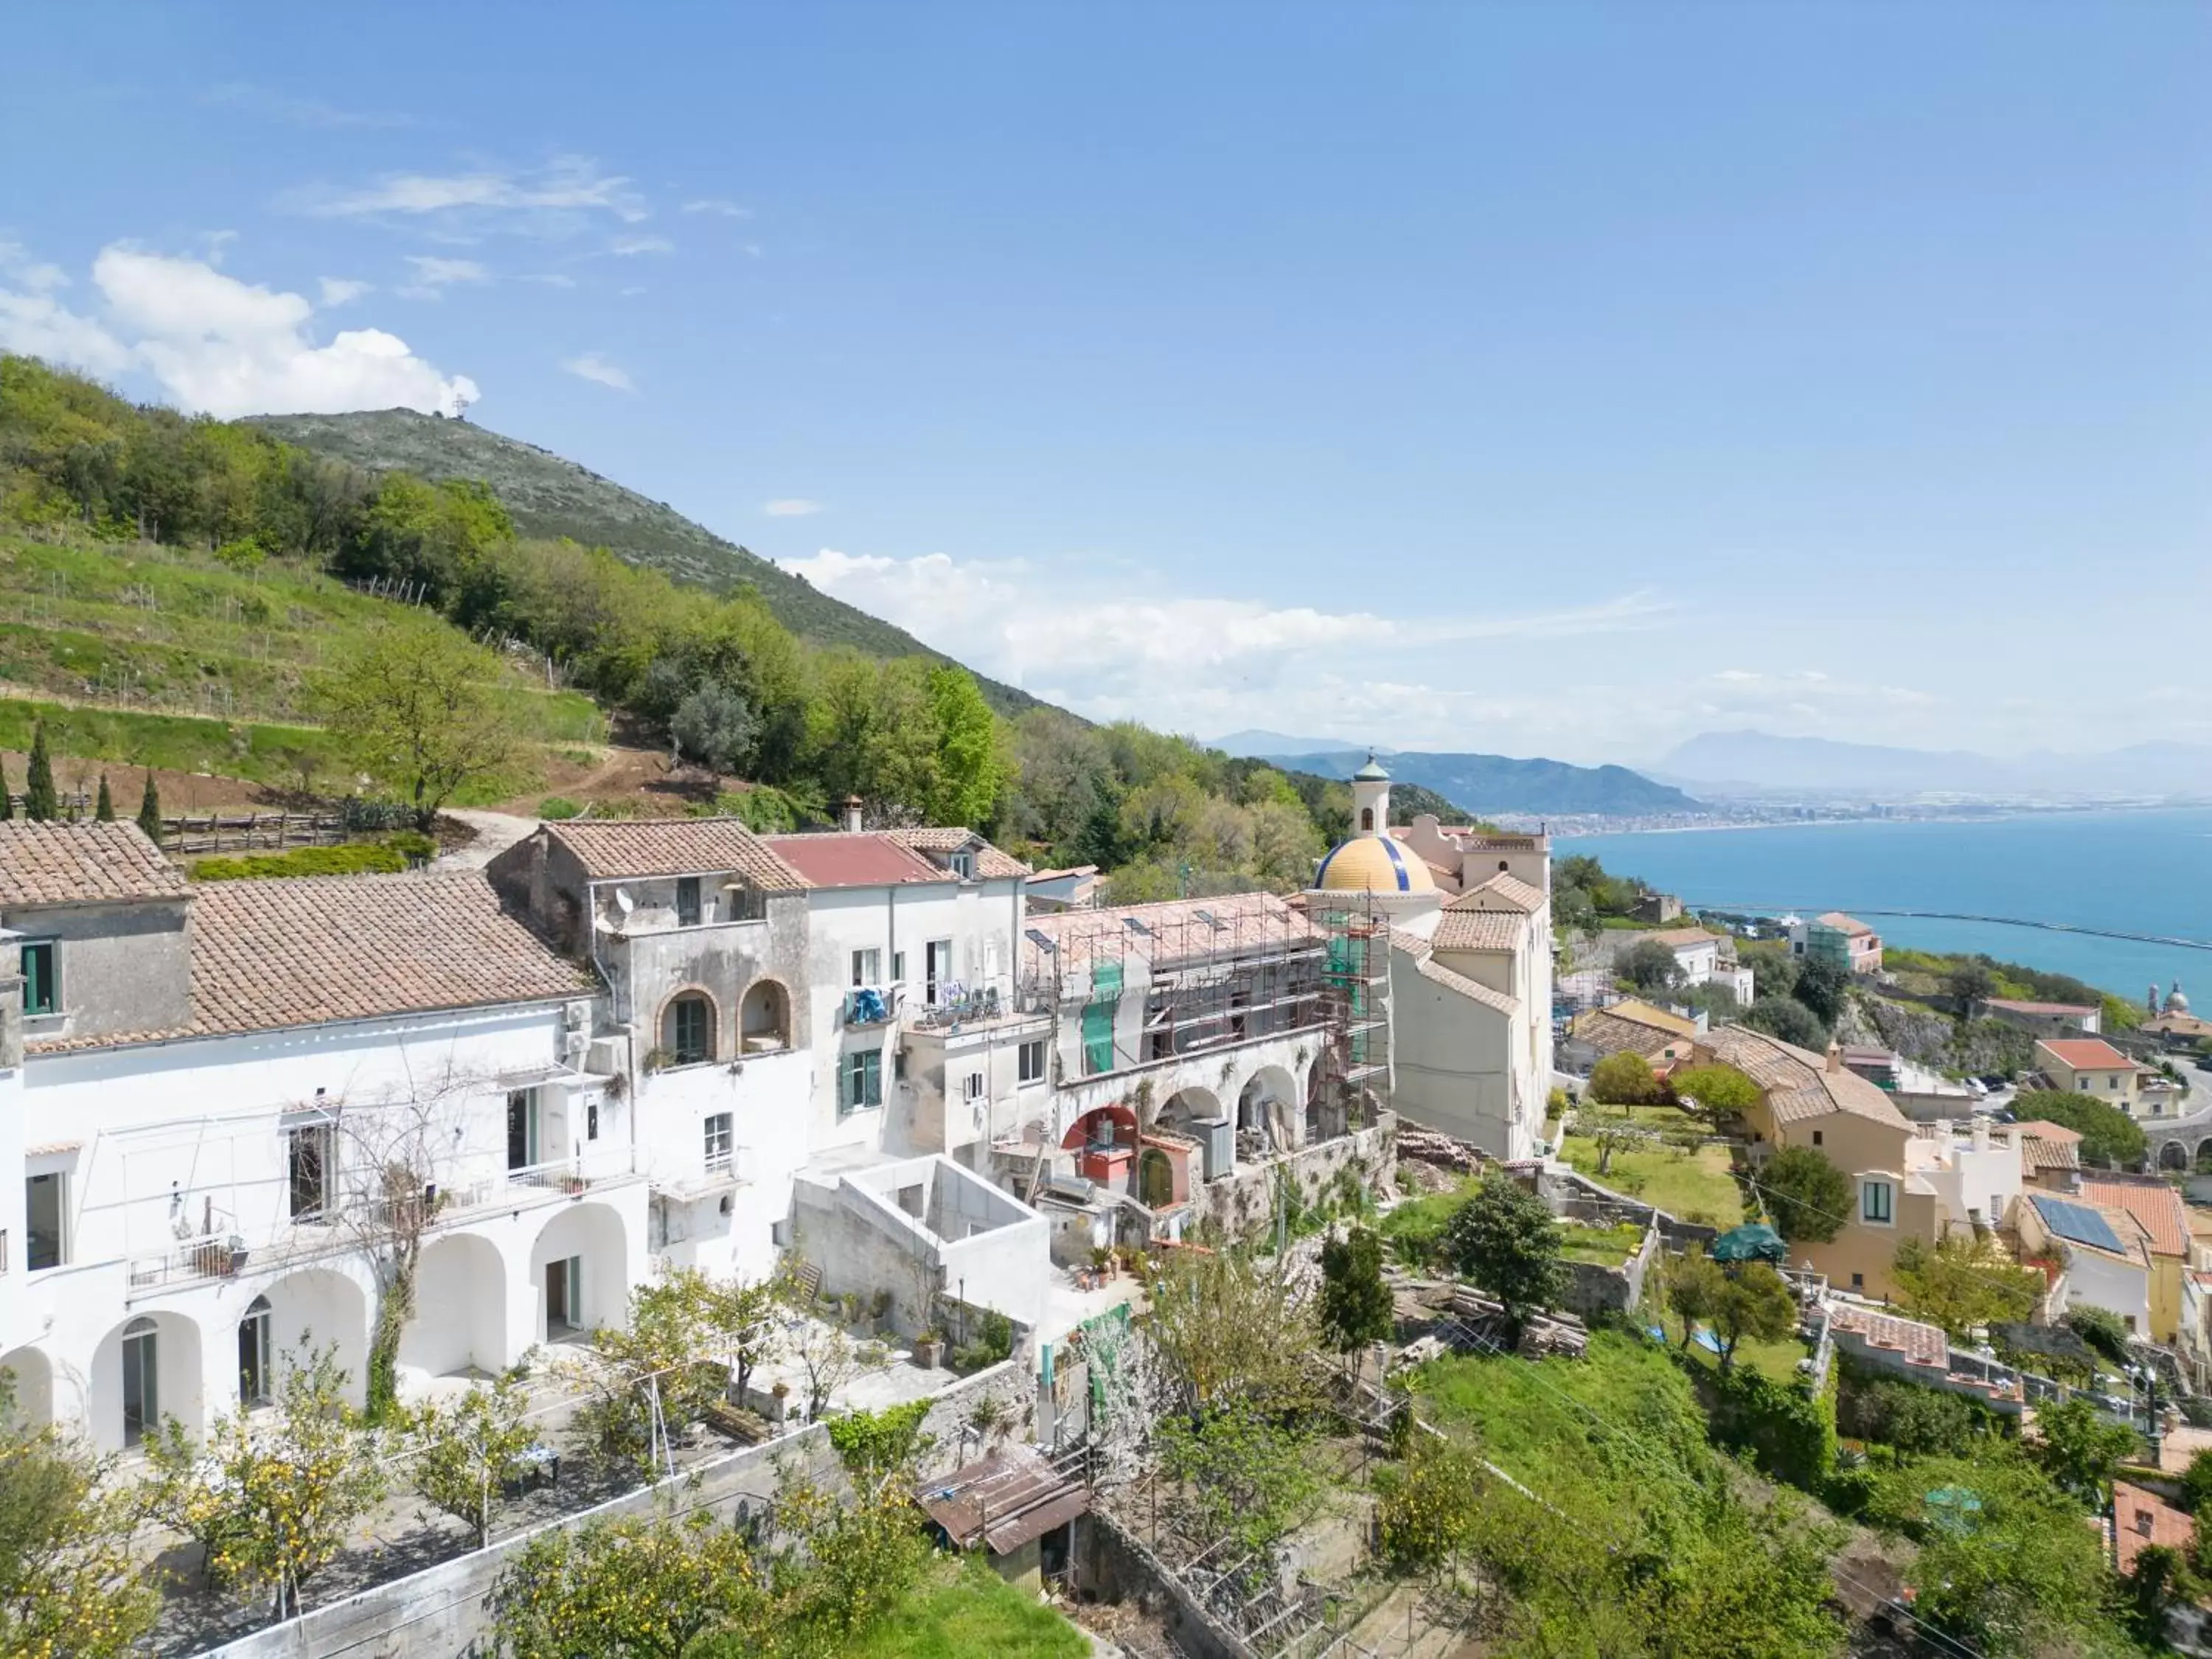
x: 2078, y: 1223
x: 1211, y: 920
x: 1135, y: 925
x: 1041, y: 941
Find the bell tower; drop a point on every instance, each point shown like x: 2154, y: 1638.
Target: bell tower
x: 1370, y: 799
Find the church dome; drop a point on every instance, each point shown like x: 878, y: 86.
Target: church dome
x: 2176, y: 1003
x: 1373, y: 864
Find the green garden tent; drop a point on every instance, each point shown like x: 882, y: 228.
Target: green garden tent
x: 1754, y: 1242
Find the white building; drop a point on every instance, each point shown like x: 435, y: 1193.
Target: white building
x: 1470, y: 975
x: 195, y: 1197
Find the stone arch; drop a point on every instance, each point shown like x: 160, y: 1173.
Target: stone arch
x: 460, y: 1308
x: 319, y: 1308
x: 178, y: 1380
x: 580, y: 1271
x: 2173, y: 1155
x: 32, y: 1374
x: 764, y: 1016
x: 684, y: 1038
x: 1187, y: 1106
x: 1269, y: 1105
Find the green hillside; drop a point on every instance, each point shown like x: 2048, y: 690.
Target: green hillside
x: 551, y: 497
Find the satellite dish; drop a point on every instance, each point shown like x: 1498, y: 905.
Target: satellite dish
x: 623, y: 902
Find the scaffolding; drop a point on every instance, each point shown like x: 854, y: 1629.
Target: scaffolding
x: 1351, y: 1081
x: 1212, y: 974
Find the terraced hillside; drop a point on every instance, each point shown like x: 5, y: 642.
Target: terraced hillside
x: 550, y: 497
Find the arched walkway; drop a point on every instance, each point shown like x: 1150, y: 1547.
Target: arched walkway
x: 1187, y: 1106
x: 579, y: 1266
x: 1102, y: 1126
x: 764, y: 1017
x: 2173, y: 1155
x: 312, y: 1310
x: 2204, y: 1156
x: 460, y: 1308
x: 144, y: 1370
x: 30, y: 1375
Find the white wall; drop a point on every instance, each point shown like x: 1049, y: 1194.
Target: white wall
x: 2119, y: 1288
x: 1454, y: 1064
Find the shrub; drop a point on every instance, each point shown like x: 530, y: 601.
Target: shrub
x: 1623, y: 1079
x: 1790, y: 1431
x: 357, y: 858
x: 556, y: 807
x: 1917, y: 1420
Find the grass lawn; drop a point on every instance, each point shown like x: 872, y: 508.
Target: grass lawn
x: 1776, y: 1359
x: 1607, y: 1247
x: 1411, y: 1230
x: 1694, y: 1186
x: 963, y: 1610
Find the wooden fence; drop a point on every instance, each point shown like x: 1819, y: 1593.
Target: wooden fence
x: 216, y: 832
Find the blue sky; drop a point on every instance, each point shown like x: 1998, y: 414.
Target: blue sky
x: 1563, y: 379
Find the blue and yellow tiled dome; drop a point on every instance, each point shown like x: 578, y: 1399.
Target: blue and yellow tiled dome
x: 1373, y: 864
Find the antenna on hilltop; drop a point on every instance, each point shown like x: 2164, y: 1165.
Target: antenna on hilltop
x: 461, y: 402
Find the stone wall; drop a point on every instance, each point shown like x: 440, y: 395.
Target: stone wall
x: 1577, y: 1198
x: 1242, y: 1203
x: 1116, y: 1566
x: 442, y: 1612
x: 1593, y: 1291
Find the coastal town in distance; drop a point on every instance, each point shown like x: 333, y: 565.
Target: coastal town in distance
x: 1141, y: 832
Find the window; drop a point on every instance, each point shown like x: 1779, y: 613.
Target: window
x: 521, y: 1128
x: 1816, y: 1137
x: 718, y: 1141
x: 861, y: 1085
x: 1876, y: 1202
x: 1858, y: 1281
x: 1366, y: 820
x: 688, y: 1032
x: 253, y: 1375
x: 936, y: 968
x: 687, y: 900
x: 1030, y: 1065
x: 971, y: 1087
x: 142, y: 1389
x: 963, y: 865
x: 2086, y: 1083
x: 898, y: 967
x: 44, y: 1211
x: 42, y: 991
x: 590, y: 1119
x: 308, y: 1172
x: 867, y: 967
x: 2113, y: 1081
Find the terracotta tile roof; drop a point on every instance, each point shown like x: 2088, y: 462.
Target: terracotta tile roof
x: 1511, y: 890
x: 1842, y: 923
x: 1645, y: 1013
x: 611, y: 850
x: 2043, y: 1129
x: 1174, y: 931
x: 1480, y: 930
x: 1923, y: 1344
x: 2085, y: 1054
x: 1609, y: 1034
x: 81, y: 864
x: 2037, y: 1154
x: 2019, y: 1006
x: 2142, y: 1518
x: 1797, y: 1083
x: 267, y: 954
x: 1676, y: 938
x: 1063, y: 874
x: 1424, y: 964
x: 2156, y: 1205
x: 839, y: 859
x: 991, y: 864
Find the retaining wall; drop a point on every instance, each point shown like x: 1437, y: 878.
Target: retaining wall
x: 1244, y: 1202
x: 442, y: 1612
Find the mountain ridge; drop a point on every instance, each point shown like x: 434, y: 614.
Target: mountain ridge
x: 550, y: 497
x: 1489, y: 784
x: 1749, y: 761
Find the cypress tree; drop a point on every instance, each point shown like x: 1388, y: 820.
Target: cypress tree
x: 40, y: 801
x: 150, y: 810
x: 104, y: 811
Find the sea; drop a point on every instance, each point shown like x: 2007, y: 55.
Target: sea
x: 2141, y: 873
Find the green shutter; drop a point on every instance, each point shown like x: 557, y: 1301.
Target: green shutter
x: 38, y: 994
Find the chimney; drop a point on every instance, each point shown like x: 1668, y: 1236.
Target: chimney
x: 848, y: 814
x: 1981, y: 1134
x: 1835, y: 1056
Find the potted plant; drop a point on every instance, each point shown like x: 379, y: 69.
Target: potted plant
x: 1101, y: 1261
x: 929, y: 1349
x: 779, y: 1395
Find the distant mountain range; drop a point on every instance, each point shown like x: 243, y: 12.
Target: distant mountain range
x: 1750, y: 762
x: 1485, y: 785
x: 550, y: 497
x: 1257, y: 743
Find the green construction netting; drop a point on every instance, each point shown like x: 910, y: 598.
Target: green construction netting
x: 1098, y: 1016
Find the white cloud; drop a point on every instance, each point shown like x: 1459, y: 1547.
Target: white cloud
x: 549, y: 279
x: 344, y: 290
x: 594, y: 367
x: 1110, y: 643
x: 624, y: 248
x: 220, y: 345
x: 791, y: 507
x: 15, y: 262
x: 720, y: 206
x: 436, y: 273
x: 555, y: 200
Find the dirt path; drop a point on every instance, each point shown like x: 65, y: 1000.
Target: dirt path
x: 494, y: 833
